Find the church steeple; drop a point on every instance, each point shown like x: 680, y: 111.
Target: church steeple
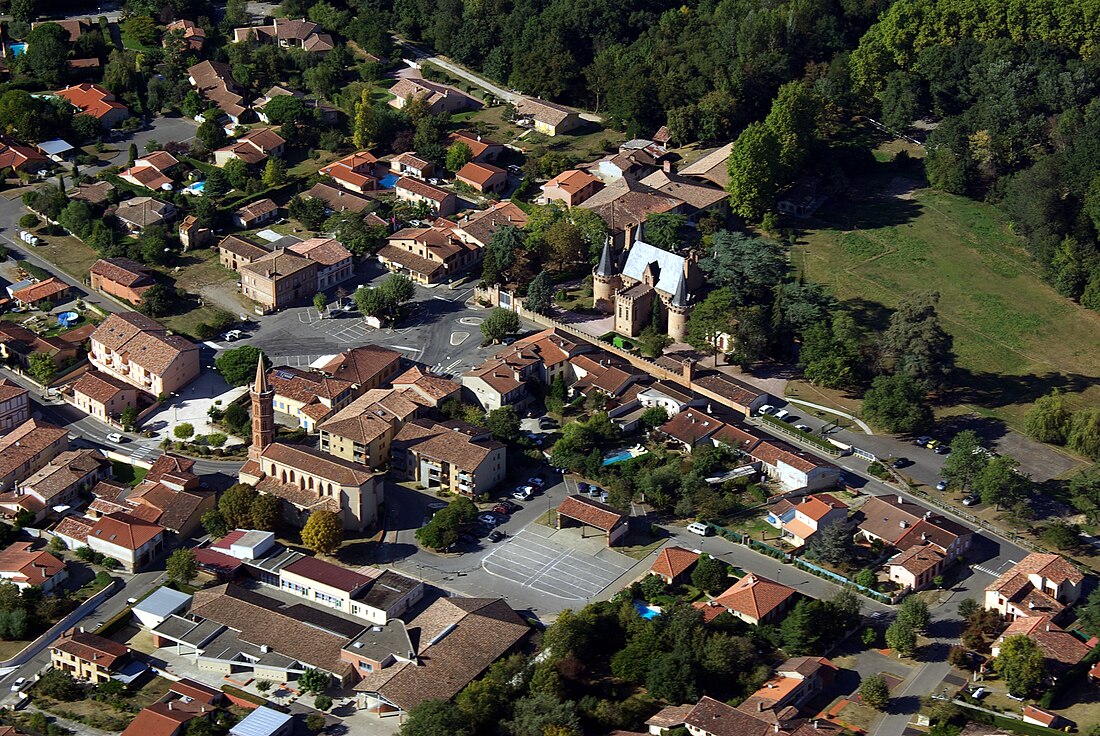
x: 606, y: 267
x: 263, y: 413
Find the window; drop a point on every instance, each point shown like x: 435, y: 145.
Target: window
x: 366, y: 666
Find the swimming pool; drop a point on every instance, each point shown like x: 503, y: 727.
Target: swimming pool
x: 17, y: 48
x: 622, y: 456
x: 196, y: 188
x: 646, y: 611
x: 387, y: 181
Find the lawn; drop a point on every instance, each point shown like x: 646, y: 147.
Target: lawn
x: 188, y: 323
x: 1015, y: 338
x: 108, y: 716
x: 69, y: 254
x: 586, y: 144
x: 126, y: 473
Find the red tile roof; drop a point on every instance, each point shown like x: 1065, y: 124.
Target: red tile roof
x: 91, y: 99
x: 125, y: 530
x: 328, y: 574
x: 753, y: 596
x: 592, y: 513
x: 674, y: 561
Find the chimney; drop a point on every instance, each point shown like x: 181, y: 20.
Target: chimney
x: 169, y: 705
x: 775, y: 727
x: 666, y: 166
x: 923, y: 537
x: 1048, y: 627
x: 901, y: 500
x: 815, y: 724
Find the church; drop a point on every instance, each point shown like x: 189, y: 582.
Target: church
x: 306, y: 479
x: 651, y: 282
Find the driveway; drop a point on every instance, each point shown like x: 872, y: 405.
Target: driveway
x: 545, y: 560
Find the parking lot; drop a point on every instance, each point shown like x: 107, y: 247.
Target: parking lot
x: 537, y: 562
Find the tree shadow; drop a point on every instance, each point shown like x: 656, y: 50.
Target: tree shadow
x: 869, y: 315
x: 988, y: 429
x: 997, y: 390
x: 902, y: 705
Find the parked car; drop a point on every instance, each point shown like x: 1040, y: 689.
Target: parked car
x: 802, y: 428
x: 19, y: 684
x: 765, y: 409
x: 496, y: 535
x: 501, y: 509
x: 582, y: 487
x: 522, y: 494
x: 437, y: 505
x: 511, y: 506
x: 978, y: 693
x: 492, y: 520
x: 782, y: 415
x: 594, y: 491
x: 547, y: 423
x: 116, y: 438
x: 921, y: 441
x: 932, y: 444
x: 943, y: 449
x: 232, y: 335
x: 698, y: 527
x: 941, y: 486
x: 466, y: 538
x: 902, y: 462
x: 972, y: 500
x: 536, y: 481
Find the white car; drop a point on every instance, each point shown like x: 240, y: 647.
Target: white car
x: 522, y: 494
x: 765, y: 409
x: 115, y: 437
x: 232, y: 335
x: 802, y: 428
x: 19, y: 684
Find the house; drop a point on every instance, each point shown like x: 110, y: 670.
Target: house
x: 796, y: 682
x: 57, y: 485
x: 793, y: 468
x: 547, y: 118
x: 691, y: 427
x: 257, y: 213
x: 169, y: 496
x: 97, y: 194
x: 409, y: 164
x: 57, y: 150
x: 891, y: 519
x: 17, y: 344
x: 437, y: 98
x: 329, y: 115
x: 801, y: 199
x: 194, y: 37
x: 151, y: 171
x: 434, y: 655
x: 1037, y: 716
x: 134, y: 542
x: 26, y: 568
x: 424, y: 387
x: 483, y: 178
x: 799, y: 520
x: 698, y: 198
x: 731, y: 393
x: 17, y: 157
x: 337, y: 199
x: 482, y: 150
x: 365, y: 367
x: 711, y: 167
x: 253, y: 147
x: 495, y: 383
x: 354, y: 172
x: 673, y: 564
x: 308, y: 396
x: 15, y: 405
x: 279, y: 279
x: 193, y: 234
x: 712, y: 717
x: 231, y: 630
x: 334, y: 262
x: 478, y: 227
x: 121, y: 278
x: 185, y: 701
x: 235, y: 252
x: 138, y: 350
x: 289, y: 34
x: 27, y: 448
x: 375, y: 595
x: 304, y: 478
x: 624, y: 203
x: 438, y: 201
x: 141, y: 212
x: 91, y: 99
x: 753, y: 599
x: 264, y: 721
x: 214, y: 81
x: 1040, y: 584
x: 88, y: 657
x: 671, y: 716
x: 459, y: 459
x: 1061, y: 649
x: 42, y: 294
x: 570, y: 187
x: 917, y: 567
x: 429, y: 255
x: 578, y: 510
x: 75, y: 27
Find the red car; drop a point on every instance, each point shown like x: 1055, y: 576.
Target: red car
x: 502, y: 509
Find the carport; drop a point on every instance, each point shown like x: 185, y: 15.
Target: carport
x: 584, y: 512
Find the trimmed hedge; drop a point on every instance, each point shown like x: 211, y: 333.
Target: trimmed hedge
x: 243, y: 695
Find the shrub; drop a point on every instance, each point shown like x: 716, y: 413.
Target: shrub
x: 184, y: 430
x: 28, y: 220
x: 322, y: 702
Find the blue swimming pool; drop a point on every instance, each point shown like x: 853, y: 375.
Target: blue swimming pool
x: 18, y: 48
x: 622, y: 456
x: 646, y: 611
x: 388, y: 181
x: 197, y: 188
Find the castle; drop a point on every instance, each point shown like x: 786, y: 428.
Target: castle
x: 651, y: 283
x: 305, y: 479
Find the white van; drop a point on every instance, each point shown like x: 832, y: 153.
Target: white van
x: 698, y: 527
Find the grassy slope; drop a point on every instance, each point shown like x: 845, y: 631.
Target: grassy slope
x: 1013, y: 333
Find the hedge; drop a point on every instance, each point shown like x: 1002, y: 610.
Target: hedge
x: 243, y: 695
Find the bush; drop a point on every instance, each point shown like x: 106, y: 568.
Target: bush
x: 59, y: 686
x: 28, y: 220
x: 322, y: 702
x: 184, y: 430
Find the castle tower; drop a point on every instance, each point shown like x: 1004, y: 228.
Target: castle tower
x: 679, y: 307
x: 605, y: 281
x: 263, y: 413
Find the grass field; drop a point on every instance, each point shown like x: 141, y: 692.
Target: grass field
x: 1015, y: 337
x: 586, y: 144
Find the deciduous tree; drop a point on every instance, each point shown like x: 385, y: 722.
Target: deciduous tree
x: 181, y: 566
x: 915, y: 345
x: 874, y: 691
x: 323, y: 532
x: 1020, y: 665
x: 897, y: 404
x: 499, y: 324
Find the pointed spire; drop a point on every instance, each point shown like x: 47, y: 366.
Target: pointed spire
x: 638, y: 232
x: 681, y: 298
x: 261, y: 377
x: 606, y: 267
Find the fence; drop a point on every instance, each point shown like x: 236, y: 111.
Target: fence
x: 80, y: 612
x: 837, y: 577
x: 784, y: 428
